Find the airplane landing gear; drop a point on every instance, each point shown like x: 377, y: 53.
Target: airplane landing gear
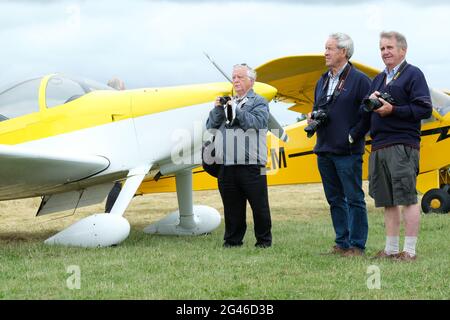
x: 437, y: 200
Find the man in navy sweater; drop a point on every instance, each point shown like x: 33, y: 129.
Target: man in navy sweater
x: 339, y: 93
x: 395, y: 132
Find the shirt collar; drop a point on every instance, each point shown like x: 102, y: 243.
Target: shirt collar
x: 394, y: 70
x: 338, y: 74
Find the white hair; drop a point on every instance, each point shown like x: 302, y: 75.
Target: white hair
x: 250, y: 72
x: 401, y: 40
x: 344, y: 42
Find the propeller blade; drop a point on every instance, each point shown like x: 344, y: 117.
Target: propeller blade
x: 277, y: 129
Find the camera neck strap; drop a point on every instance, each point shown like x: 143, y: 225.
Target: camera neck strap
x: 396, y: 75
x: 339, y: 86
x: 342, y: 79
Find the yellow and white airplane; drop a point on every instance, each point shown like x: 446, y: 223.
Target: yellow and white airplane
x: 69, y: 139
x: 293, y: 162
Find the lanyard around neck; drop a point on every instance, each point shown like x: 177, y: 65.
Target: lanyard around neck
x: 340, y: 84
x: 397, y: 74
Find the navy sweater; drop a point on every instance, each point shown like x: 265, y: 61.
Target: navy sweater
x: 342, y: 114
x: 412, y: 104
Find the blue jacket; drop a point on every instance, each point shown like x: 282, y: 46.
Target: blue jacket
x: 342, y: 114
x: 412, y: 104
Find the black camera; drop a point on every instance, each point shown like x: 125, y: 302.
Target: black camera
x: 319, y: 118
x: 224, y: 100
x: 374, y: 104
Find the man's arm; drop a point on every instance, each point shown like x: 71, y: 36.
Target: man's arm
x: 216, y: 117
x: 420, y: 106
x: 363, y: 126
x: 256, y: 118
x: 314, y: 108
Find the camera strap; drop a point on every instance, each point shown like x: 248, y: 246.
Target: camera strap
x: 396, y: 75
x: 231, y: 109
x: 229, y: 112
x: 339, y: 86
x: 342, y: 79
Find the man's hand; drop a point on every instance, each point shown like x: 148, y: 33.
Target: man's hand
x: 374, y: 95
x: 308, y: 118
x: 386, y: 109
x: 217, y: 102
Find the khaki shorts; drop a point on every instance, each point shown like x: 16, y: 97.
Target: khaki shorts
x: 392, y: 176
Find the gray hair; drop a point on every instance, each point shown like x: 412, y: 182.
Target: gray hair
x: 116, y: 83
x: 401, y: 40
x: 251, y: 73
x: 344, y: 42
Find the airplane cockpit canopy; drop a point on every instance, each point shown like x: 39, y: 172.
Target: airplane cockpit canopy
x: 22, y: 98
x: 19, y: 99
x: 441, y: 101
x: 63, y: 89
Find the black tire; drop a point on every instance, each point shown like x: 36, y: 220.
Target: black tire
x: 436, y: 200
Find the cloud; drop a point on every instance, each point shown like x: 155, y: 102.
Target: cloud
x: 159, y: 43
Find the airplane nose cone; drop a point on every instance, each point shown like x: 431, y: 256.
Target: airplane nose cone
x: 265, y: 90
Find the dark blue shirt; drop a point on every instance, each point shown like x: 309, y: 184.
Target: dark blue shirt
x: 412, y: 104
x: 343, y: 114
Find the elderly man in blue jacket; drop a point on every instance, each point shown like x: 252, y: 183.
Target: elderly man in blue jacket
x: 338, y: 96
x: 399, y: 99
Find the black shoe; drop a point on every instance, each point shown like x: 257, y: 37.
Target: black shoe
x: 231, y: 245
x: 263, y: 245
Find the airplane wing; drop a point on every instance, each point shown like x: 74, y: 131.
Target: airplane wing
x: 295, y: 78
x: 29, y: 172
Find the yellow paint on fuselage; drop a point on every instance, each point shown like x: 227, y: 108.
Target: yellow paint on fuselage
x: 105, y: 106
x: 434, y: 154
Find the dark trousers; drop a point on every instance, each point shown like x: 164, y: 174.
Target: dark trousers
x: 237, y: 184
x: 342, y: 183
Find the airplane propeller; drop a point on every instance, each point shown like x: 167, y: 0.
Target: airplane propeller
x: 276, y: 128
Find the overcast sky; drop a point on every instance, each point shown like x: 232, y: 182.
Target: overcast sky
x: 160, y: 43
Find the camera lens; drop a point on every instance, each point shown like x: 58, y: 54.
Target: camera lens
x: 223, y: 100
x: 319, y: 118
x: 311, y: 128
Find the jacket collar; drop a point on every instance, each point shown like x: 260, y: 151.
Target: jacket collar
x: 250, y: 94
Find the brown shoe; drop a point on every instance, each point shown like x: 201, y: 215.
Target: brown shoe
x: 405, y: 256
x: 353, y: 252
x: 383, y: 255
x: 336, y: 250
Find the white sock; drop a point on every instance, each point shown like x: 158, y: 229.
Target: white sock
x: 410, y: 245
x: 392, y: 245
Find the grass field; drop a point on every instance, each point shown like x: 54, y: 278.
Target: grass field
x: 162, y: 267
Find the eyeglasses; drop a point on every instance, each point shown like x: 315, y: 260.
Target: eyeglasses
x: 241, y: 65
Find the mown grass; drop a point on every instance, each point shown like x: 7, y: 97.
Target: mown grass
x: 172, y: 267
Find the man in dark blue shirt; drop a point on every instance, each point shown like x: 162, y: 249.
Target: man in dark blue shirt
x: 394, y: 123
x: 339, y: 93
